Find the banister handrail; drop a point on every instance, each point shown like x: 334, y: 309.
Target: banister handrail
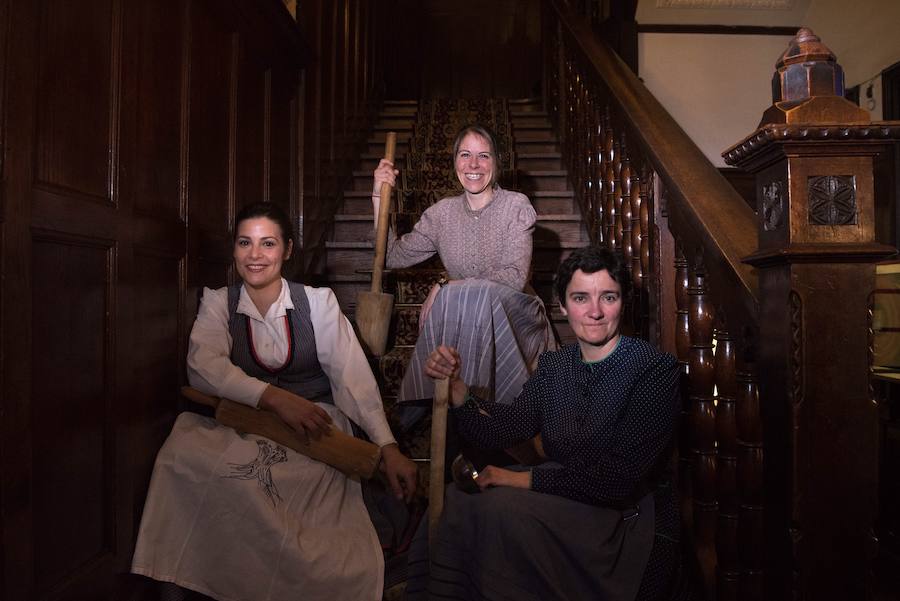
x: 708, y: 199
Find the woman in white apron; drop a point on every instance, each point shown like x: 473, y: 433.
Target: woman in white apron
x: 240, y: 517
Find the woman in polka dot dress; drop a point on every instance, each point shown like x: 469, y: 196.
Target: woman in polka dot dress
x: 599, y: 519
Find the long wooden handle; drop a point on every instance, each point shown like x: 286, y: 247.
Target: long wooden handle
x: 350, y: 455
x: 384, y: 211
x: 438, y: 456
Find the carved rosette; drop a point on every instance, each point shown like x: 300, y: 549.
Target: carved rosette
x: 773, y: 205
x: 832, y: 199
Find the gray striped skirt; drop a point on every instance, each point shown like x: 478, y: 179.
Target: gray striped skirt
x: 499, y: 333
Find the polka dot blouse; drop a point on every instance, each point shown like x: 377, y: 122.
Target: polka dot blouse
x: 607, y: 425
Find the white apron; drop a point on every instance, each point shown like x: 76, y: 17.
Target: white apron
x: 241, y: 518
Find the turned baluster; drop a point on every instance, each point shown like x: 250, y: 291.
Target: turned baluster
x: 638, y: 231
x: 596, y: 217
x: 609, y: 177
x: 623, y: 227
x: 701, y: 370
x: 682, y: 354
x: 620, y: 196
x: 728, y: 568
x: 750, y: 484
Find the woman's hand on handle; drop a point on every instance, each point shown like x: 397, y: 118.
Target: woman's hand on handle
x: 444, y: 362
x: 304, y: 416
x: 384, y: 174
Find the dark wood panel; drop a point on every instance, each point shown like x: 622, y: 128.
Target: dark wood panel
x: 4, y: 25
x: 73, y: 446
x: 250, y: 154
x: 159, y: 351
x: 212, y: 50
x: 76, y: 103
x: 283, y: 136
x: 152, y: 108
x: 504, y: 61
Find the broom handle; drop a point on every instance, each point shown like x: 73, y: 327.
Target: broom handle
x: 384, y: 210
x: 438, y: 456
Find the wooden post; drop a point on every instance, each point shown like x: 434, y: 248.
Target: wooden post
x: 815, y: 208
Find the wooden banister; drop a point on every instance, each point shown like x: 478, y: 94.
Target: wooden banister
x: 769, y: 314
x: 710, y: 205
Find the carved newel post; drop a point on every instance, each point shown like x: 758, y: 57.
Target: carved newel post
x: 812, y: 157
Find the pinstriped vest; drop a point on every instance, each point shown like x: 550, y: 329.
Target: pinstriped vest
x: 301, y: 374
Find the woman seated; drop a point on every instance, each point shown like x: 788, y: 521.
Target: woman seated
x: 483, y: 238
x: 240, y: 517
x: 599, y: 520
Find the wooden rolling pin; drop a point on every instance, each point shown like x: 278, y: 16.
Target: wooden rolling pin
x: 350, y: 455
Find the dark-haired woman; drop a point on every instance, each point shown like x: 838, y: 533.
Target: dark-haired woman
x: 483, y: 237
x: 599, y: 520
x: 240, y: 517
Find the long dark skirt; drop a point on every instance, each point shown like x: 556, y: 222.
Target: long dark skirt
x: 509, y: 543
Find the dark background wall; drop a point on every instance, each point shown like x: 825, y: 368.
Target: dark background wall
x: 466, y: 48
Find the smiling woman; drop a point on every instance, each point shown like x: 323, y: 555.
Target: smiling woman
x: 484, y: 239
x: 598, y: 520
x: 229, y: 514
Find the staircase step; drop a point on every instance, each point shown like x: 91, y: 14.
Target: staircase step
x: 369, y: 160
x: 543, y: 180
x: 528, y: 161
x: 347, y: 287
x: 375, y: 144
x: 524, y: 105
x: 560, y: 228
x: 362, y: 180
x: 348, y: 257
x: 350, y: 227
x: 534, y: 132
x: 402, y: 126
x: 358, y: 202
x: 529, y: 119
x: 530, y: 146
x: 548, y: 202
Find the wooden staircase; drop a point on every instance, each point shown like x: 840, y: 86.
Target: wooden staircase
x: 540, y: 176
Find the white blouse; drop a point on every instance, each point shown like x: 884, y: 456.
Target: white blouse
x: 210, y: 370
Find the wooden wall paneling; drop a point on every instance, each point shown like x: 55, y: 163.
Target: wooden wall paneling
x: 211, y: 147
x: 152, y: 112
x: 74, y: 443
x: 250, y: 151
x: 151, y: 183
x: 158, y: 359
x: 345, y: 62
x: 4, y: 38
x: 75, y: 98
x: 312, y: 128
x: 283, y: 98
x: 16, y: 422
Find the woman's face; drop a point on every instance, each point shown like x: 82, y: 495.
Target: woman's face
x: 474, y: 164
x: 259, y: 252
x: 593, y: 306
